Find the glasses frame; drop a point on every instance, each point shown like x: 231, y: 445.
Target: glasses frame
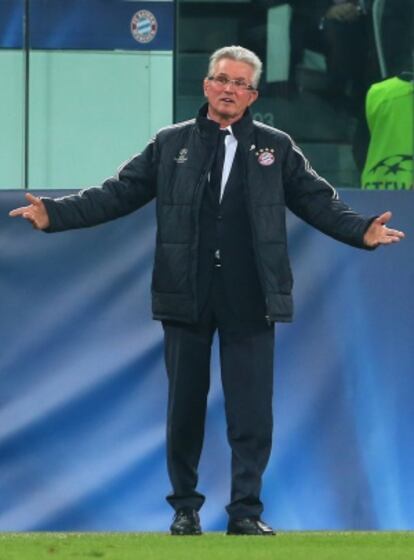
x: 223, y: 81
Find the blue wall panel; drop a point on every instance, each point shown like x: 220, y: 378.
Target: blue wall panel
x: 95, y: 24
x: 83, y: 389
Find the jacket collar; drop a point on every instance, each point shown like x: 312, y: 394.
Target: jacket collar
x: 209, y: 129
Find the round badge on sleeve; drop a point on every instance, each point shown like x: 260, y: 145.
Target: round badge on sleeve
x: 266, y: 156
x: 144, y: 26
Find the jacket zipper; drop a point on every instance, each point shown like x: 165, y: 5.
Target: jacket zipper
x: 255, y: 244
x: 197, y: 208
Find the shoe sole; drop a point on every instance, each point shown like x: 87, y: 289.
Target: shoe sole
x: 185, y: 534
x: 250, y: 534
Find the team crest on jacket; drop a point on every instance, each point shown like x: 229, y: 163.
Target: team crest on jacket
x: 266, y: 156
x: 144, y: 26
x: 182, y: 156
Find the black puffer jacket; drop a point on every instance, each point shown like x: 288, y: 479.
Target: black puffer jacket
x: 174, y: 169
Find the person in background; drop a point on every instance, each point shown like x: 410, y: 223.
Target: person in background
x: 389, y: 163
x: 397, y: 26
x: 384, y: 141
x: 339, y: 29
x: 222, y: 183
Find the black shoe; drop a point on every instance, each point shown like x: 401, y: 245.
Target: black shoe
x: 249, y: 526
x: 186, y: 522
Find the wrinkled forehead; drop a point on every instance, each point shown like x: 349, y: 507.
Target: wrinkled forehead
x: 234, y: 69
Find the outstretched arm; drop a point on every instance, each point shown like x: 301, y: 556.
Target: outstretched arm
x: 379, y: 234
x: 35, y: 213
x: 314, y: 200
x: 133, y: 186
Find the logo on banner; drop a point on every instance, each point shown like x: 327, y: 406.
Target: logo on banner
x: 144, y: 26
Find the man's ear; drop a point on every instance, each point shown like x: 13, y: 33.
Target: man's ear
x: 254, y: 95
x: 206, y: 84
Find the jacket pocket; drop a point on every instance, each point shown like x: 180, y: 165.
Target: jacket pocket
x: 171, y: 274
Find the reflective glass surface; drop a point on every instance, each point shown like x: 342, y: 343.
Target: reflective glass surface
x: 337, y: 77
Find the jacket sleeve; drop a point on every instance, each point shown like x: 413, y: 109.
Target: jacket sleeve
x: 314, y: 200
x: 132, y: 187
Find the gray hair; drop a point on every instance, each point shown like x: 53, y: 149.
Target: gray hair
x: 240, y: 54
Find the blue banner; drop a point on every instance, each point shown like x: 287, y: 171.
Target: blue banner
x: 94, y: 25
x: 11, y: 24
x: 83, y: 388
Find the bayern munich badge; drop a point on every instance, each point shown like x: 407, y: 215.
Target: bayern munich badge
x: 144, y: 26
x: 266, y: 156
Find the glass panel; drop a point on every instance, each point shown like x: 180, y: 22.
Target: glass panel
x: 90, y: 112
x: 100, y: 85
x: 321, y: 58
x: 95, y: 66
x: 11, y: 94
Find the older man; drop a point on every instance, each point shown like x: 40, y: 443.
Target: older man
x: 222, y: 184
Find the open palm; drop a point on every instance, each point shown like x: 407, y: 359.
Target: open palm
x: 35, y: 213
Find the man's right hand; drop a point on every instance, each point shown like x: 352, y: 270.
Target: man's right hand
x: 35, y: 213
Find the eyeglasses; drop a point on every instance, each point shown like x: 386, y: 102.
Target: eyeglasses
x: 223, y: 81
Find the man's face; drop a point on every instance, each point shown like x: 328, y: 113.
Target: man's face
x: 227, y: 103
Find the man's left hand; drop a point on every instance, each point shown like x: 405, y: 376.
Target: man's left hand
x: 379, y: 234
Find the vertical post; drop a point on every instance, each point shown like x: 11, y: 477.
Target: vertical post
x: 26, y: 42
x: 176, y: 57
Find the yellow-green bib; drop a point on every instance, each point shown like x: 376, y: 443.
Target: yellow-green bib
x: 389, y: 110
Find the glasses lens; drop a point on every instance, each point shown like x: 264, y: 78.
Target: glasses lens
x: 240, y: 84
x: 223, y: 81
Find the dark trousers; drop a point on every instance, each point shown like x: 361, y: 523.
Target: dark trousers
x: 246, y: 357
